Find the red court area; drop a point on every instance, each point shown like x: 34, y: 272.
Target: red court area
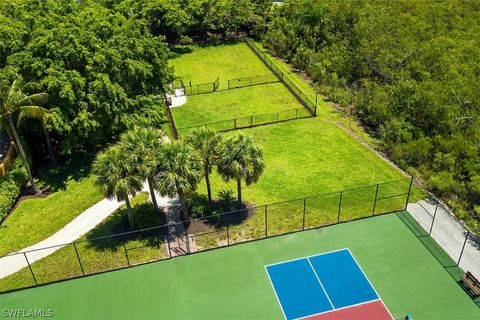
x: 374, y: 310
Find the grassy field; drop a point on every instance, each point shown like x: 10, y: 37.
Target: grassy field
x: 232, y: 282
x: 102, y: 254
x: 72, y: 191
x: 202, y: 64
x: 237, y: 103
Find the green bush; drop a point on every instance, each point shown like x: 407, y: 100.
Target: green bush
x: 11, y: 185
x: 198, y: 205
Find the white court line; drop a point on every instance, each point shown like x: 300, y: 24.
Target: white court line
x: 305, y: 257
x: 370, y: 283
x: 275, y: 291
x: 346, y: 307
x: 321, y: 284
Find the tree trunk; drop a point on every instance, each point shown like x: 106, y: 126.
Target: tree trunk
x: 239, y: 191
x: 53, y: 160
x: 209, y: 190
x: 183, y: 203
x: 131, y: 223
x: 22, y: 154
x: 154, y: 198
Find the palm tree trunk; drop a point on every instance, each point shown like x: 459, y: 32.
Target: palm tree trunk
x: 209, y: 190
x: 131, y: 223
x: 49, y: 145
x: 22, y: 154
x: 183, y: 204
x: 239, y: 191
x: 152, y: 195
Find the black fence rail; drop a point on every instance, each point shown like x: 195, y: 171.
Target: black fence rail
x: 250, y: 121
x: 190, y: 89
x: 101, y: 254
x: 294, y: 89
x: 252, y: 81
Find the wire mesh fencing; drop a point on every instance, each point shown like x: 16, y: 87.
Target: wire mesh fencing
x: 193, y: 89
x: 294, y: 89
x: 101, y: 254
x: 250, y: 121
x: 252, y: 81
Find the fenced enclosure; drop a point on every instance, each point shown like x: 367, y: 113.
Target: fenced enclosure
x: 97, y: 255
x: 250, y: 121
x: 192, y: 89
x: 252, y: 81
x: 294, y: 89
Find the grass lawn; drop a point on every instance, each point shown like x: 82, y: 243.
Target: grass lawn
x: 102, y: 254
x: 226, y: 105
x: 202, y: 64
x: 72, y: 191
x: 232, y: 282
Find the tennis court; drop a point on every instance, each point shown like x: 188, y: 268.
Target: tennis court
x: 233, y: 283
x: 327, y: 286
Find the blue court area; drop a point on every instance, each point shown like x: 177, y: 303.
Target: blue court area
x: 319, y: 284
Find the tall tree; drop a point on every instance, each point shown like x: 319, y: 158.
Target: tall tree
x: 116, y: 177
x: 207, y: 143
x: 15, y: 104
x: 179, y: 171
x: 139, y: 147
x: 240, y: 159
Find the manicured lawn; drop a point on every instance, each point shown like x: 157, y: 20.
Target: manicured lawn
x: 102, y: 254
x: 33, y: 220
x: 231, y: 283
x: 227, y: 105
x: 202, y: 64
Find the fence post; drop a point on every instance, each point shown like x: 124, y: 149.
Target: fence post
x: 30, y: 267
x: 228, y: 236
x: 188, y: 242
x: 409, y: 190
x: 78, y: 257
x: 168, y: 243
x: 266, y: 222
x: 235, y: 123
x: 277, y: 116
x: 126, y: 254
x: 463, y: 247
x: 304, y: 210
x: 433, y: 220
x: 375, y: 202
x: 251, y: 121
x: 339, y: 206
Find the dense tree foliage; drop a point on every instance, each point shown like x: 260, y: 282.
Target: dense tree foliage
x: 410, y: 68
x: 102, y: 70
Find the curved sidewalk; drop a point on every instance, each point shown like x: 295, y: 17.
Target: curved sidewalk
x: 75, y: 229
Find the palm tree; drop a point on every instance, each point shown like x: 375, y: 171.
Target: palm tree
x: 207, y: 143
x: 240, y: 159
x: 15, y: 103
x: 116, y: 177
x: 140, y: 146
x: 179, y: 171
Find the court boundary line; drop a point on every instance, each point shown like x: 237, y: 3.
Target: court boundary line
x: 375, y: 290
x: 341, y: 308
x: 275, y: 292
x: 321, y: 284
x: 316, y: 275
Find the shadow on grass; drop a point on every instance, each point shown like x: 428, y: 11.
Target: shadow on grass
x: 76, y: 168
x: 114, y: 231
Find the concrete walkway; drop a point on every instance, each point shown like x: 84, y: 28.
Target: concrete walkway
x: 75, y: 229
x: 448, y: 233
x: 177, y: 99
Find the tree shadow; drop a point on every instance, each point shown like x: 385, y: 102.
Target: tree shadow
x: 178, y: 51
x: 114, y: 231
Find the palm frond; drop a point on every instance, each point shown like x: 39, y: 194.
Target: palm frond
x: 34, y: 99
x: 31, y: 112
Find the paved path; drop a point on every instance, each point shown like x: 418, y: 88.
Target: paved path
x: 177, y: 99
x: 449, y: 234
x: 76, y: 228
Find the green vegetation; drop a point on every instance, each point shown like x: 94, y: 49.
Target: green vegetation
x: 101, y: 254
x: 11, y: 185
x: 202, y: 64
x: 72, y: 191
x: 410, y: 70
x: 406, y: 276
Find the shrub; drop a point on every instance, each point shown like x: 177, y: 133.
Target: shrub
x: 198, y: 205
x: 11, y: 185
x: 226, y: 198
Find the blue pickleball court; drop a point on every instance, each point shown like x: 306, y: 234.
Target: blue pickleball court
x: 324, y: 287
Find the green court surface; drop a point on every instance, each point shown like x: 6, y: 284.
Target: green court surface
x: 231, y: 283
x: 203, y: 64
